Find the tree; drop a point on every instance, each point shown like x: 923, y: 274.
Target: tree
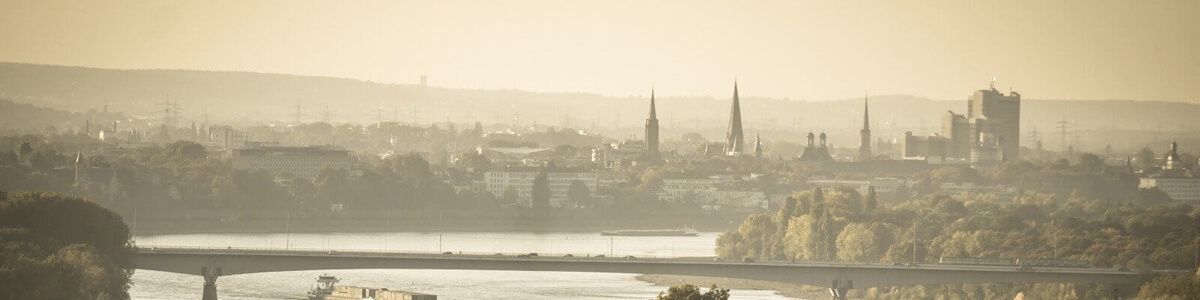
x: 510, y: 196
x: 223, y: 193
x: 59, y: 247
x: 187, y: 150
x: 25, y: 150
x: 691, y: 292
x: 540, y: 193
x: 870, y: 202
x: 473, y: 161
x: 1172, y: 287
x: 579, y: 194
x: 410, y: 166
x: 1089, y: 163
x: 1145, y: 158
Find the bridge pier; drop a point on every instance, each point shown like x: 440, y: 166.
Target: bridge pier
x: 841, y: 289
x: 838, y: 293
x: 210, y: 282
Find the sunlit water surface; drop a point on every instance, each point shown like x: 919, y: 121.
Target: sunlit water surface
x: 447, y: 284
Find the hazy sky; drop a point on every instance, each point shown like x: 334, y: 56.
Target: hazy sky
x: 815, y: 50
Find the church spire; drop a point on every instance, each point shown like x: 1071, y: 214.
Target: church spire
x: 734, y: 139
x: 758, y: 148
x: 653, y: 114
x: 866, y: 114
x: 864, y: 146
x: 652, y: 130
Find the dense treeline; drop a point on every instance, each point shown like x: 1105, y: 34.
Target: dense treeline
x: 846, y: 226
x: 59, y: 247
x: 184, y: 177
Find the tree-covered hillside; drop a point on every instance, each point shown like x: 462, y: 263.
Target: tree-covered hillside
x: 59, y: 247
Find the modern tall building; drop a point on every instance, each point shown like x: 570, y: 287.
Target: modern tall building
x: 734, y: 139
x: 864, y: 143
x: 959, y: 136
x: 651, y: 150
x: 1002, y: 114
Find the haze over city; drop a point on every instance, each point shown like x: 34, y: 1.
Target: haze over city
x: 535, y: 149
x: 782, y: 49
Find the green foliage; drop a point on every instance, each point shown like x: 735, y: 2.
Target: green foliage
x: 1172, y: 287
x: 579, y: 194
x: 691, y: 292
x: 833, y: 226
x: 58, y: 247
x: 540, y: 193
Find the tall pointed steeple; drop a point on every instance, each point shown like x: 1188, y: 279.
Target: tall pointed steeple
x: 652, y: 130
x: 864, y: 146
x: 734, y: 139
x: 758, y: 147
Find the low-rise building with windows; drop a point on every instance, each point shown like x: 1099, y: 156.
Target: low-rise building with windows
x: 520, y: 180
x: 291, y: 162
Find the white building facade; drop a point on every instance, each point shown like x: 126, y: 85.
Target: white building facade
x: 520, y: 180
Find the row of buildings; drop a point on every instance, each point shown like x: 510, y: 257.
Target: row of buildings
x: 986, y: 135
x: 1174, y: 177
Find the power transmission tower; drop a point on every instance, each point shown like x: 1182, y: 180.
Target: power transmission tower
x: 170, y: 112
x: 1063, y: 127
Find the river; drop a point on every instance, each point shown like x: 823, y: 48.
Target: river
x: 447, y: 284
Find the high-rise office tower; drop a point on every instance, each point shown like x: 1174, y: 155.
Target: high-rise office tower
x: 991, y: 111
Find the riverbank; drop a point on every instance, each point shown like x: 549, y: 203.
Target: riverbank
x: 415, y: 221
x: 783, y: 289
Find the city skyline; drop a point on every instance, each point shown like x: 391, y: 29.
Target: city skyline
x: 1055, y: 50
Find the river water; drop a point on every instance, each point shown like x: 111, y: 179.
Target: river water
x: 447, y: 284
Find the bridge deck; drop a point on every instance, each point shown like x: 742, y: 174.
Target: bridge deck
x: 232, y: 261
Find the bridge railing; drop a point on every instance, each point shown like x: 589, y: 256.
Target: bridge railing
x: 373, y: 252
x: 293, y: 251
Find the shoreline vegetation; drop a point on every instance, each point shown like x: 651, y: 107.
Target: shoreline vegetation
x: 735, y: 285
x: 61, y: 247
x: 419, y: 221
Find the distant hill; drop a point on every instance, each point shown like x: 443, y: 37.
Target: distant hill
x: 245, y: 97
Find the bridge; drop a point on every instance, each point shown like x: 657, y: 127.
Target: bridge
x: 838, y: 277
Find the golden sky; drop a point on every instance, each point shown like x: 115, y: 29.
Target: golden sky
x: 814, y: 50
